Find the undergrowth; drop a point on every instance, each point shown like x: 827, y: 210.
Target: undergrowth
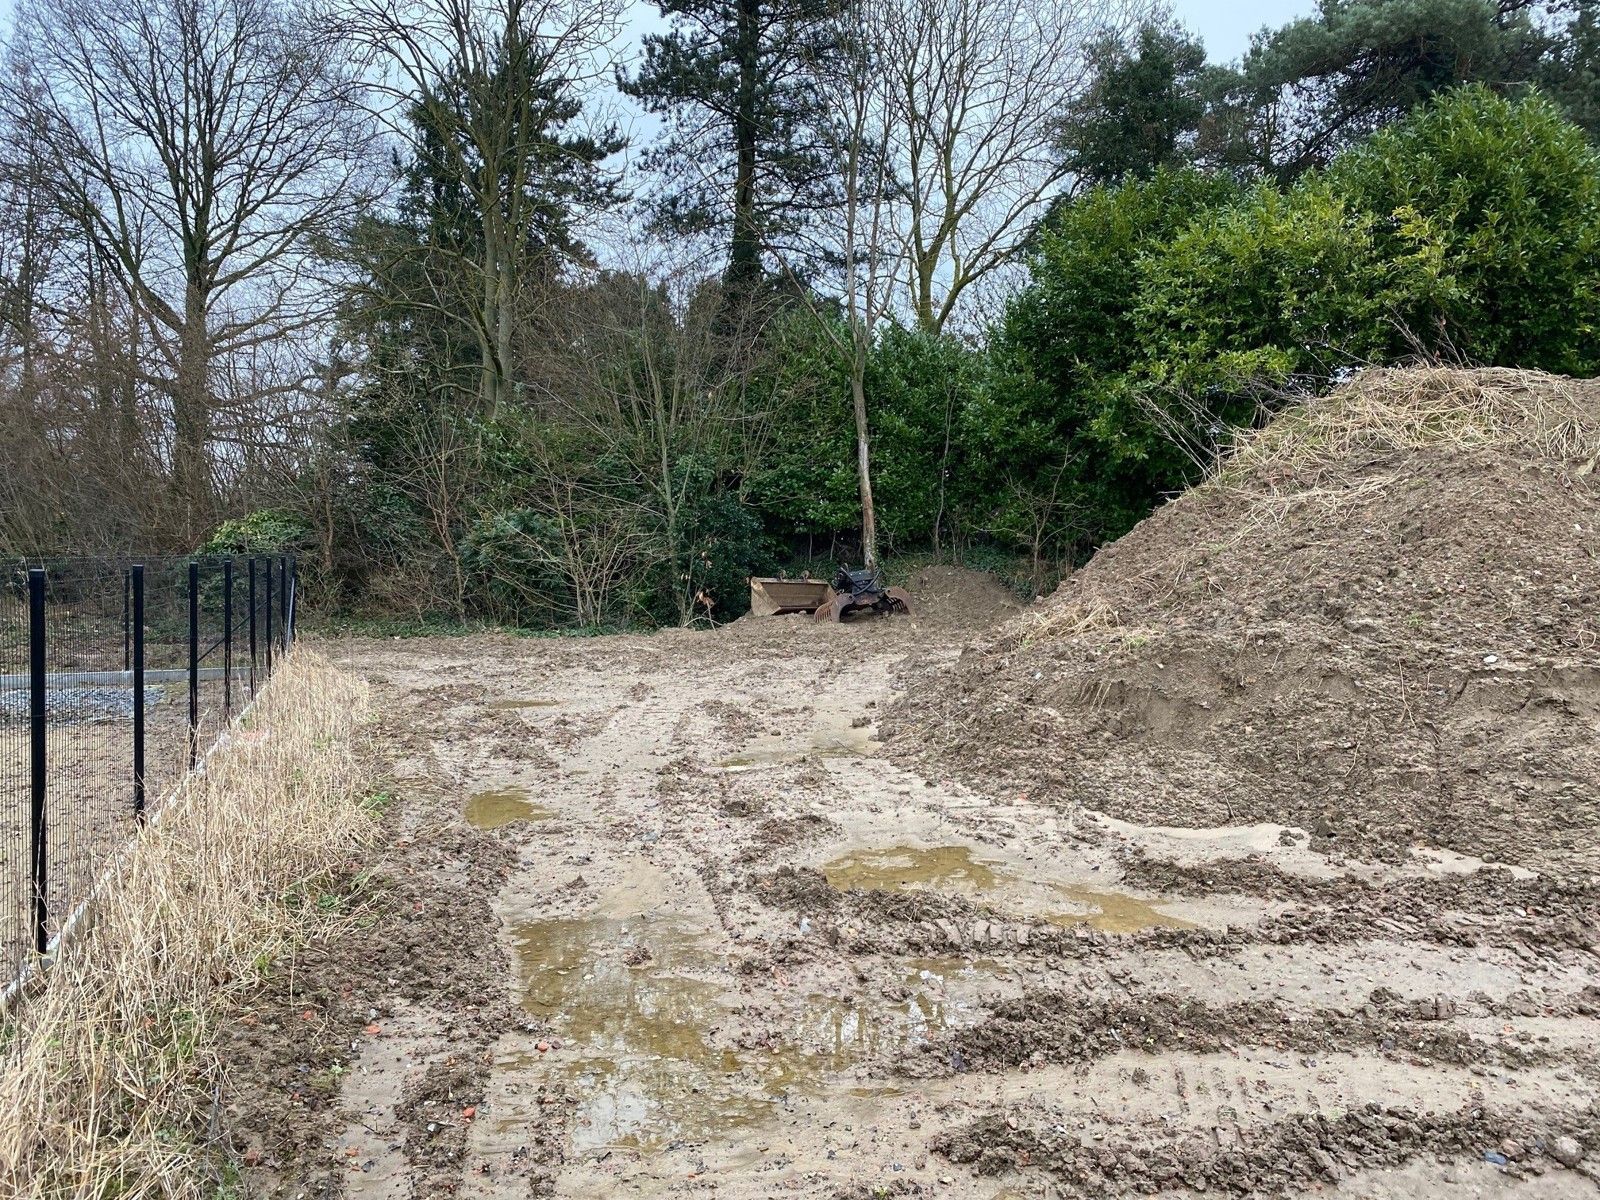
x: 110, y: 1077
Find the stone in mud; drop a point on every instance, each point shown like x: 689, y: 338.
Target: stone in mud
x: 1566, y: 1151
x: 1433, y: 1008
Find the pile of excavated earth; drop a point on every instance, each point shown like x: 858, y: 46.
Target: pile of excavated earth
x: 1380, y: 623
x: 1258, y: 860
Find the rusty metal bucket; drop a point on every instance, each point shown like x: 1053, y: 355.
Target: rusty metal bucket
x: 841, y: 604
x: 774, y: 597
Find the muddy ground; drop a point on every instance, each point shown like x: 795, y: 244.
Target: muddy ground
x: 657, y: 916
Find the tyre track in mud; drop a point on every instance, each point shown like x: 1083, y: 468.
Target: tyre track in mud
x: 745, y: 956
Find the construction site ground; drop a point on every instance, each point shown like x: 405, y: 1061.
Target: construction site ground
x: 661, y: 916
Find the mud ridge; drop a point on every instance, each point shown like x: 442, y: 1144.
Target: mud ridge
x: 1062, y: 1028
x: 1306, y: 1148
x: 421, y: 932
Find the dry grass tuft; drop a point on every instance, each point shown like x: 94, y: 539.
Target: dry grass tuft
x: 109, y: 1075
x: 1094, y: 615
x: 1320, y: 455
x: 1526, y: 414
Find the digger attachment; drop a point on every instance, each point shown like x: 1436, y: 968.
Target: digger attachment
x: 858, y: 592
x: 774, y: 597
x: 852, y: 593
x: 848, y: 604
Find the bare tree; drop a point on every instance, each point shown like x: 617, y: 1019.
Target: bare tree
x: 200, y: 146
x: 975, y: 91
x: 860, y: 233
x: 497, y: 89
x: 944, y: 119
x: 654, y: 376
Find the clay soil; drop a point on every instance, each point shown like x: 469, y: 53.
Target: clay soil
x: 662, y: 916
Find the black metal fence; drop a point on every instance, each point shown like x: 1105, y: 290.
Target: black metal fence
x: 115, y: 675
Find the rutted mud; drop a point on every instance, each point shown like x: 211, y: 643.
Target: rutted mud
x: 641, y: 1039
x: 748, y: 955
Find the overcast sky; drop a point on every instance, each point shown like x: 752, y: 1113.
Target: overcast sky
x: 1226, y: 25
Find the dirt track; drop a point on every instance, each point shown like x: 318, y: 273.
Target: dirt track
x: 705, y: 939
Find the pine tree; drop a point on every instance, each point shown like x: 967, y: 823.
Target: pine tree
x: 1324, y: 82
x: 1143, y: 109
x: 1571, y: 73
x: 738, y: 159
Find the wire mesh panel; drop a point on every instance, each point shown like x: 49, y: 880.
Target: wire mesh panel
x: 166, y: 650
x: 88, y: 727
x: 115, y: 677
x: 15, y: 925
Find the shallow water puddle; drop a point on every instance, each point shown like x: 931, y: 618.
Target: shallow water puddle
x: 507, y: 705
x: 953, y: 868
x: 1115, y: 912
x: 841, y: 743
x: 910, y: 868
x: 645, y: 1036
x: 492, y: 809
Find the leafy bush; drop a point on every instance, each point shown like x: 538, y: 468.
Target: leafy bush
x: 919, y: 388
x: 1269, y: 298
x: 803, y: 478
x: 510, y: 561
x: 721, y: 545
x: 1074, y: 456
x: 1161, y: 315
x: 1510, y: 192
x: 265, y: 531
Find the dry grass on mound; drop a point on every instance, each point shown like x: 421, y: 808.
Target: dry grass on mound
x: 1528, y: 414
x: 108, y: 1078
x: 1319, y: 455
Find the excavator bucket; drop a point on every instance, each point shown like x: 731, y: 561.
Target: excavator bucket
x: 774, y: 597
x: 833, y: 610
x: 847, y: 604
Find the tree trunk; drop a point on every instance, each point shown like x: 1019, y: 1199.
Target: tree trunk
x: 502, y: 336
x: 744, y: 256
x: 926, y: 266
x: 489, y: 323
x: 869, y: 513
x: 191, y: 418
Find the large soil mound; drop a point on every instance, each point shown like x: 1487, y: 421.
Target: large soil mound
x: 959, y: 596
x: 1378, y: 623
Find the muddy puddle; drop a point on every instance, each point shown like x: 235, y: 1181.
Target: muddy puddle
x: 839, y: 743
x: 519, y: 702
x: 503, y: 806
x: 954, y: 868
x: 656, y: 1053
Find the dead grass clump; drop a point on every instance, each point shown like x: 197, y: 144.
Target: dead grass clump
x: 109, y: 1072
x: 1089, y: 615
x: 1525, y: 414
x: 1332, y: 456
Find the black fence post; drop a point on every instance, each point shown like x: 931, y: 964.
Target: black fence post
x: 37, y: 713
x: 267, y: 563
x: 290, y: 618
x: 227, y: 637
x: 283, y: 601
x: 251, y: 570
x: 137, y: 584
x: 194, y: 662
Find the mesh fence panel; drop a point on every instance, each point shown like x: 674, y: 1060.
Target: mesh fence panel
x: 204, y: 648
x: 14, y: 769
